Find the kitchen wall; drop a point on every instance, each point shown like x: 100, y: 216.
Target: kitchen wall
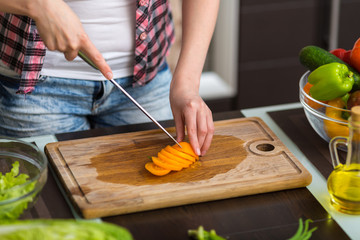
x: 271, y: 34
x: 219, y: 81
x: 253, y: 57
x: 349, y: 19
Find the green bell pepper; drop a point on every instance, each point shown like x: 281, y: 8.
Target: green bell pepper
x: 330, y: 81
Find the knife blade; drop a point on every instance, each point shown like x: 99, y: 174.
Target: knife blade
x: 88, y: 61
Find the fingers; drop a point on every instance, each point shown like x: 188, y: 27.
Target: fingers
x: 191, y: 127
x: 209, y: 134
x: 190, y: 110
x: 200, y: 128
x: 61, y: 30
x: 70, y: 55
x: 197, y: 118
x: 95, y: 56
x: 180, y: 127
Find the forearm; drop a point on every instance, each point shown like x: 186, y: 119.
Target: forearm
x: 59, y: 27
x: 20, y: 7
x: 199, y: 18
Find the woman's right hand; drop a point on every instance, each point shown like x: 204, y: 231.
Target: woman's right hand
x: 61, y: 30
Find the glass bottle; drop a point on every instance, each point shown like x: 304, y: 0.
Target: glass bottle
x: 344, y: 181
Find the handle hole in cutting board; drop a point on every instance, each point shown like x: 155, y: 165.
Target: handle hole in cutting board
x: 265, y: 147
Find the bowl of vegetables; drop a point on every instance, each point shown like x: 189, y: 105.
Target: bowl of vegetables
x: 327, y: 118
x: 330, y: 88
x: 23, y: 173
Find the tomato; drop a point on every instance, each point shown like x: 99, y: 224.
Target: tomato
x: 339, y: 52
x: 342, y: 54
x: 355, y: 55
x: 354, y: 99
x: 347, y: 57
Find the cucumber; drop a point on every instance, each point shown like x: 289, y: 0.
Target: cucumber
x: 313, y: 57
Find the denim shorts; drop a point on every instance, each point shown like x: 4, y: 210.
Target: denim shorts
x: 59, y: 105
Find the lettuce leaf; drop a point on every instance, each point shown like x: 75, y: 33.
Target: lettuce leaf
x: 59, y: 229
x: 10, y: 188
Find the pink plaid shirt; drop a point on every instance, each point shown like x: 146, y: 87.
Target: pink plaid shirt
x: 23, y: 51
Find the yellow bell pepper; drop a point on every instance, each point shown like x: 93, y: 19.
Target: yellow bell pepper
x: 334, y: 129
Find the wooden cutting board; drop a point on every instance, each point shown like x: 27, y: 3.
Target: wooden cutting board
x: 105, y: 175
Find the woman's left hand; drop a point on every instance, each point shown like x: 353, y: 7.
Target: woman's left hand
x: 190, y: 110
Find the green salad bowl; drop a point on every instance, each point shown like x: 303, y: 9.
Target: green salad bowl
x: 23, y: 173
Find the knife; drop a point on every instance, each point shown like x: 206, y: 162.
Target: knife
x: 88, y: 61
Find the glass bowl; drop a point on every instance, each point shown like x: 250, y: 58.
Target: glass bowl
x: 325, y: 119
x: 19, y: 190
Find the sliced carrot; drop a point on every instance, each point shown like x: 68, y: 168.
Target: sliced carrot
x: 155, y: 169
x: 186, y: 148
x: 176, y: 158
x: 179, y: 153
x: 165, y: 165
x: 172, y: 160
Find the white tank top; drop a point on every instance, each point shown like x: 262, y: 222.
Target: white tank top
x: 110, y: 25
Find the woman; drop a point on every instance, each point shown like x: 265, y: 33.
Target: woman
x: 69, y: 96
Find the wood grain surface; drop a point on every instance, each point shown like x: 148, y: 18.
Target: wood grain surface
x: 105, y: 176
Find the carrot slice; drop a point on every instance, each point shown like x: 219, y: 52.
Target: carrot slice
x: 186, y: 148
x: 176, y: 158
x: 165, y: 165
x: 179, y: 153
x: 155, y: 169
x: 172, y: 160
